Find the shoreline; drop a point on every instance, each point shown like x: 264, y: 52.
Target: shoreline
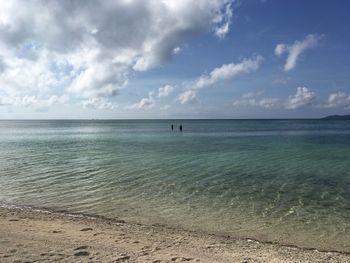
x: 68, y: 214
x: 33, y: 235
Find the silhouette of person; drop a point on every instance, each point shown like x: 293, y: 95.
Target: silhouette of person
x: 180, y: 127
x: 172, y: 127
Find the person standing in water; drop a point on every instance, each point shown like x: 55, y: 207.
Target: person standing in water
x: 180, y: 127
x: 172, y: 127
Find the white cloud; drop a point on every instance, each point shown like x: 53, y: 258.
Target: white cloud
x: 187, y: 96
x: 153, y: 97
x: 99, y: 103
x: 33, y: 101
x: 337, y: 99
x: 252, y: 99
x: 176, y: 50
x: 296, y: 49
x: 245, y: 102
x: 225, y: 72
x: 228, y: 71
x: 224, y: 22
x: 280, y: 49
x: 93, y: 51
x: 165, y: 91
x: 144, y: 103
x: 302, y: 98
x: 22, y: 76
x: 252, y: 94
x: 53, y: 100
x: 269, y: 103
x: 99, y: 80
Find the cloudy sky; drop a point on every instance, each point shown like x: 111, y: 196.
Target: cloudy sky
x: 174, y: 58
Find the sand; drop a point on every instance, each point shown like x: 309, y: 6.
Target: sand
x: 33, y: 236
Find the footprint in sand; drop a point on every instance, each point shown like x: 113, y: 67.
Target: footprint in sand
x: 247, y: 260
x: 99, y: 233
x: 122, y: 259
x: 81, y: 251
x: 86, y: 229
x: 181, y: 259
x: 81, y: 248
x: 82, y: 254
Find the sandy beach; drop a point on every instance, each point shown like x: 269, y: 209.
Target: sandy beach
x: 34, y: 236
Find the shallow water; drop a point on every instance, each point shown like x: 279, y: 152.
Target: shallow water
x: 275, y: 180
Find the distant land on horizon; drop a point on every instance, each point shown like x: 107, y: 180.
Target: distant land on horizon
x: 337, y: 117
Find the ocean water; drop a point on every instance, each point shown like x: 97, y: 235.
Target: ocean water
x: 285, y: 181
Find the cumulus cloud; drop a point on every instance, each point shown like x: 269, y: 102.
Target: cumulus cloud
x: 153, y: 97
x: 302, y: 98
x: 53, y: 100
x: 2, y: 65
x: 296, y: 49
x: 21, y: 76
x: 269, y: 103
x: 33, y: 101
x: 165, y: 91
x: 228, y: 71
x: 176, y: 50
x: 99, y: 103
x: 255, y: 99
x: 217, y: 75
x: 144, y: 103
x: 187, y: 96
x: 98, y: 45
x: 337, y: 99
x: 252, y: 94
x: 224, y: 21
x: 244, y: 102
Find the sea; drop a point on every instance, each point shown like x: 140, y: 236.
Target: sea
x: 280, y: 181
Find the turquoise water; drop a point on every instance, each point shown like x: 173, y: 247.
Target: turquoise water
x: 285, y: 181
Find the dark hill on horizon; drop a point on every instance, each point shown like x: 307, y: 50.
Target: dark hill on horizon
x: 337, y: 117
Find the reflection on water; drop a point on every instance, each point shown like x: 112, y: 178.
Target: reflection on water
x: 278, y: 180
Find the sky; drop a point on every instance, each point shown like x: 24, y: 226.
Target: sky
x: 127, y: 59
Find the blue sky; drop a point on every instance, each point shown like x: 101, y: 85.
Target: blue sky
x: 174, y: 59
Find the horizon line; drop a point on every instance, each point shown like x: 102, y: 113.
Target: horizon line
x: 139, y: 119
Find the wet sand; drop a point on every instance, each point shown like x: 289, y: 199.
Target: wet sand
x: 33, y: 236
